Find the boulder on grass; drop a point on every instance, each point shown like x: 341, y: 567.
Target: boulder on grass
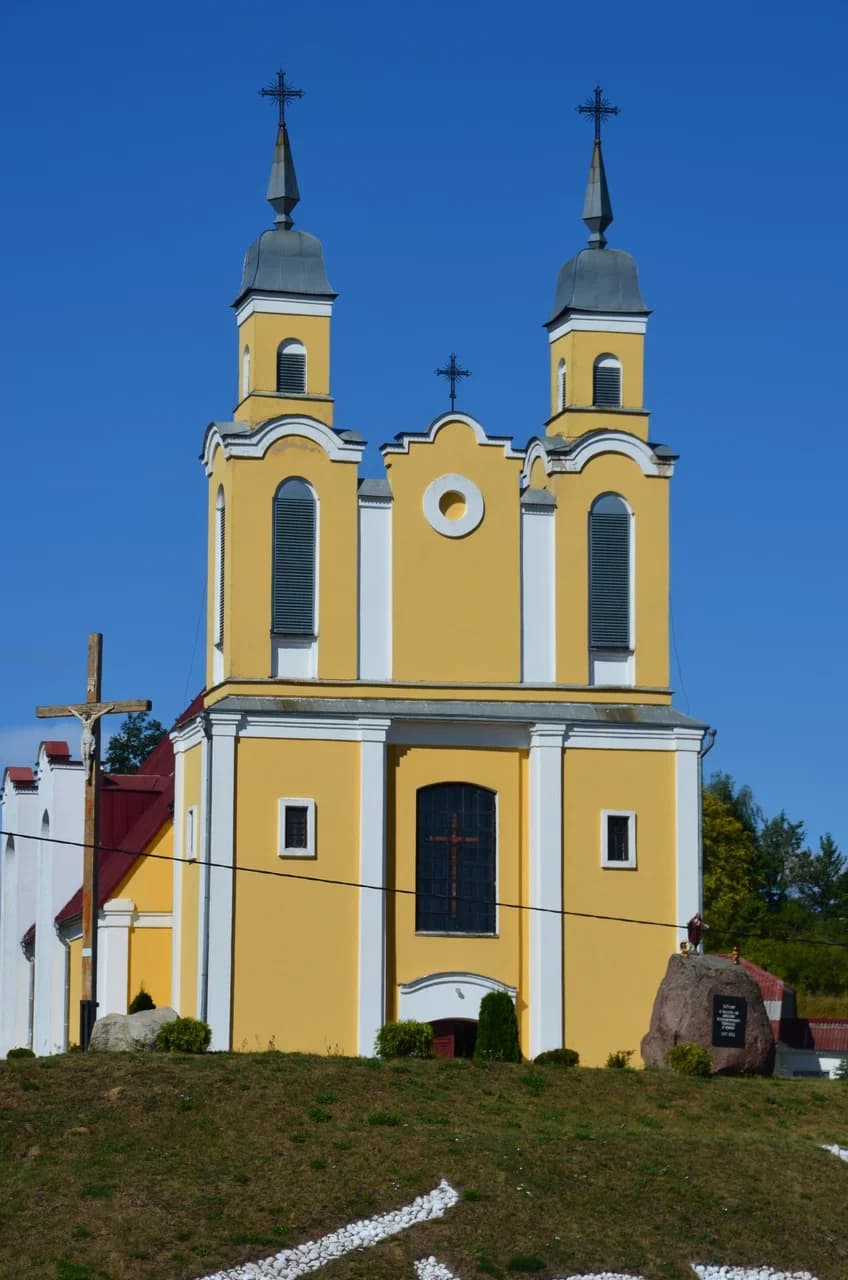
x: 710, y: 1001
x: 129, y: 1032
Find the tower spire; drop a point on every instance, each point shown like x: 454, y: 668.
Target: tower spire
x: 597, y: 207
x: 283, y: 193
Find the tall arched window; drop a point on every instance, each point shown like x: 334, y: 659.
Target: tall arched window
x: 561, y: 386
x: 245, y: 373
x: 609, y: 573
x: 293, y: 570
x: 220, y: 543
x: 455, y: 859
x: 291, y: 367
x: 606, y: 381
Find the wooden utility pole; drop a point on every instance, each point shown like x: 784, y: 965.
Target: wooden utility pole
x: 89, y: 714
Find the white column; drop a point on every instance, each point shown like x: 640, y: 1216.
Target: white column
x: 221, y: 852
x: 48, y: 1013
x: 546, y: 931
x: 372, y: 871
x: 688, y: 826
x: 538, y: 587
x: 177, y: 883
x: 375, y: 583
x: 113, y: 956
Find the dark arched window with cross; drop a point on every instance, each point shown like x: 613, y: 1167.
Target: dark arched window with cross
x: 455, y: 859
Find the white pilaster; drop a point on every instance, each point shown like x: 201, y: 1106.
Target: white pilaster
x: 546, y: 931
x: 688, y: 828
x: 177, y: 870
x: 538, y: 587
x: 372, y: 871
x: 221, y: 854
x: 375, y: 587
x: 48, y: 1010
x: 113, y: 956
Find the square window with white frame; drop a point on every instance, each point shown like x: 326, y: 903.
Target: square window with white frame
x: 296, y: 828
x: 618, y: 839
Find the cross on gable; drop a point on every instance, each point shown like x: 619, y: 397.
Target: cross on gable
x: 599, y: 107
x: 283, y: 92
x: 453, y: 373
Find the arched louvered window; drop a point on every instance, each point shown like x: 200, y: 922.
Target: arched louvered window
x: 293, y: 577
x: 245, y: 373
x: 609, y: 573
x: 291, y: 367
x: 606, y: 381
x: 220, y: 541
x: 455, y: 859
x: 561, y: 386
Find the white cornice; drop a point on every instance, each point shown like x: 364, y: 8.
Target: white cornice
x: 584, y: 448
x: 595, y: 322
x: 407, y: 438
x: 256, y: 443
x: 282, y: 304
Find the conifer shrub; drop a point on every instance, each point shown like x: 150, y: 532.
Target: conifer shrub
x: 841, y: 1071
x: 20, y: 1052
x: 184, y: 1035
x: 689, y: 1059
x: 619, y: 1059
x: 497, y: 1030
x: 141, y: 1002
x: 405, y: 1039
x: 558, y: 1058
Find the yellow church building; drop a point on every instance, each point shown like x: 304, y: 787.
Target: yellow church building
x: 437, y: 754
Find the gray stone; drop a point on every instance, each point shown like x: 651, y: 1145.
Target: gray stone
x: 683, y: 1013
x: 129, y: 1032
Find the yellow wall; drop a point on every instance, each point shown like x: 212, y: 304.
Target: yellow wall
x: 74, y: 990
x: 263, y: 334
x: 150, y: 964
x: 612, y: 971
x: 295, y: 968
x: 456, y: 600
x: 186, y: 1000
x: 580, y: 350
x: 150, y: 886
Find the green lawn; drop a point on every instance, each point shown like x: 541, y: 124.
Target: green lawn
x: 136, y: 1167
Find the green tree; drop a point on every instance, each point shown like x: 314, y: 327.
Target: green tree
x: 780, y: 843
x: 133, y: 743
x: 821, y: 879
x: 730, y: 862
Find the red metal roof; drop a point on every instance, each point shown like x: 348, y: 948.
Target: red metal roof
x: 815, y: 1033
x: 55, y: 749
x: 19, y: 776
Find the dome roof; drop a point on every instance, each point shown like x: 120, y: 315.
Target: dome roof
x: 285, y: 261
x: 605, y: 280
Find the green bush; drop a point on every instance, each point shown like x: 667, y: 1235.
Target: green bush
x: 841, y: 1070
x: 141, y: 1002
x: 619, y: 1059
x: 497, y: 1030
x: 20, y: 1053
x: 184, y: 1035
x: 406, y: 1039
x: 689, y: 1059
x: 558, y: 1058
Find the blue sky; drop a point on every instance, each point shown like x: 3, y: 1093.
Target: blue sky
x: 442, y: 164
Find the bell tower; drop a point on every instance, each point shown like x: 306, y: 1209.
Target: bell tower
x: 285, y: 304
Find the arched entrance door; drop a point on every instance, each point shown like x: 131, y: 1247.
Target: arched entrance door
x: 454, y: 1037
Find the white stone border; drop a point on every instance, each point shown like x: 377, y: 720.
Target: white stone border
x: 451, y: 482
x: 841, y: 1152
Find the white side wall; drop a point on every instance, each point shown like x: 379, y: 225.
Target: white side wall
x: 17, y: 912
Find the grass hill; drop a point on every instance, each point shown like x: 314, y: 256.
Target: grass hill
x: 166, y: 1168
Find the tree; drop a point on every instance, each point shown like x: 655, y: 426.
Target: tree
x: 730, y: 862
x: 133, y: 743
x: 821, y: 879
x: 780, y: 844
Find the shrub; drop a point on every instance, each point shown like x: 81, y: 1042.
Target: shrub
x: 619, y: 1059
x: 497, y: 1030
x: 558, y: 1058
x: 184, y: 1035
x: 20, y: 1052
x: 841, y: 1070
x: 406, y: 1039
x: 689, y: 1059
x: 141, y: 1002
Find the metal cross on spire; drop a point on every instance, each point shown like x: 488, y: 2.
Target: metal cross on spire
x: 599, y: 107
x: 453, y: 373
x: 283, y: 92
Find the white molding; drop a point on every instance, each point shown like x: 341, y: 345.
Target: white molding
x: 289, y: 851
x: 407, y: 438
x: 687, y: 822
x: 371, y: 1004
x: 475, y: 507
x: 153, y: 920
x: 459, y: 733
x: 189, y: 735
x: 224, y: 729
x: 538, y: 594
x: 282, y: 304
x: 190, y: 833
x: 375, y: 588
x: 447, y: 995
x: 596, y: 322
x: 178, y: 875
x: 596, y: 443
x: 630, y: 862
x: 256, y: 443
x: 200, y: 1004
x: 612, y: 668
x: 295, y: 657
x: 534, y: 452
x: 623, y: 737
x: 312, y: 728
x: 546, y: 977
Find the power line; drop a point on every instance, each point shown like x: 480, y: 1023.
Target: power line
x: 393, y: 889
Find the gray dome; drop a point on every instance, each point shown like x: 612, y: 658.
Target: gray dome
x: 285, y: 261
x: 604, y: 280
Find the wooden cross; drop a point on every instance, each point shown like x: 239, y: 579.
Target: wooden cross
x: 454, y: 840
x: 89, y: 714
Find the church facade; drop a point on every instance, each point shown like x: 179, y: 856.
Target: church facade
x: 437, y: 753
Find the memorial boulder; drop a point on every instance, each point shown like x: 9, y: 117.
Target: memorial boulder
x: 129, y: 1032
x: 710, y: 1001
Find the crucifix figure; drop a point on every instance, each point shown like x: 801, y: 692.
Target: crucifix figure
x: 283, y: 92
x: 89, y: 714
x: 599, y: 107
x: 454, y: 840
x: 453, y: 373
